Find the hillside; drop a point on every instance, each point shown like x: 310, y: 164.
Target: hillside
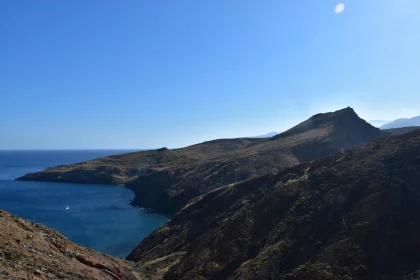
x: 166, y: 180
x: 32, y: 251
x: 122, y: 168
x: 404, y: 122
x: 401, y: 130
x: 354, y: 215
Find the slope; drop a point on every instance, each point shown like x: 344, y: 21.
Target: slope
x: 401, y: 130
x: 354, y: 215
x: 32, y: 251
x: 166, y: 180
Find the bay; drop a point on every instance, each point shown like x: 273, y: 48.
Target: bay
x: 100, y: 216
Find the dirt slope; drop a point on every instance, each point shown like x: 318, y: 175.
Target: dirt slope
x: 32, y: 251
x: 354, y: 215
x: 166, y: 180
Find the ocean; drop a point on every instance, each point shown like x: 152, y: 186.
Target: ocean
x: 100, y: 216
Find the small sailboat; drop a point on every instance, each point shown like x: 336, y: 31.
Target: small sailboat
x: 67, y: 206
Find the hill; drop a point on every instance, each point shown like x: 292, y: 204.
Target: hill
x: 404, y: 122
x: 354, y: 215
x: 401, y: 130
x: 166, y: 180
x: 33, y: 251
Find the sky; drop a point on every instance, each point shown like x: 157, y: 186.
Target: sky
x: 147, y: 74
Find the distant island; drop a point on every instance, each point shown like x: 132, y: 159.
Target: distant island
x: 268, y: 135
x: 404, y: 122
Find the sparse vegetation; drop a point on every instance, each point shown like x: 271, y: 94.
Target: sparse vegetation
x: 350, y: 216
x: 33, y: 251
x: 166, y: 180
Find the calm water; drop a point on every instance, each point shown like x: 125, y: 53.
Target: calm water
x: 100, y: 216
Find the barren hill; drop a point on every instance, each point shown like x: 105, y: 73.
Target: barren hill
x: 353, y: 215
x: 166, y: 180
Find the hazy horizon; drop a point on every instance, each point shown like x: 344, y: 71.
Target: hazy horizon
x: 144, y: 75
x: 143, y: 148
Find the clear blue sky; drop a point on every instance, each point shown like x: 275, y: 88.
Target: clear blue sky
x: 148, y: 74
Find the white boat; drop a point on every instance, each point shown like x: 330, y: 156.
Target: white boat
x: 67, y: 206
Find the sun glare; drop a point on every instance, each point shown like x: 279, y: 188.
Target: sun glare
x: 339, y: 8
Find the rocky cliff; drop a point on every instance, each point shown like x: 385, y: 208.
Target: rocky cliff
x: 33, y: 251
x: 354, y: 215
x: 166, y: 180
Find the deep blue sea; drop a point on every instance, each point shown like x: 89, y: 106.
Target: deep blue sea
x: 100, y: 216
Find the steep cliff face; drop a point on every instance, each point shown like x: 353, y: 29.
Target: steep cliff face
x: 32, y: 251
x: 166, y: 180
x: 354, y: 215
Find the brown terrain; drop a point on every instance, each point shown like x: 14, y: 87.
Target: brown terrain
x: 353, y: 215
x: 401, y: 130
x: 304, y: 204
x: 33, y: 251
x: 165, y: 180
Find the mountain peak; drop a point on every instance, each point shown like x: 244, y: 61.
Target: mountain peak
x: 336, y: 114
x: 346, y: 117
x: 347, y: 110
x: 329, y: 133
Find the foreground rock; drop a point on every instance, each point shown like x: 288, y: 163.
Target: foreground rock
x: 32, y: 251
x: 354, y: 215
x: 166, y: 180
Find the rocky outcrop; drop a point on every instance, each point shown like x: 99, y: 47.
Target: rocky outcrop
x: 33, y: 251
x: 166, y: 180
x: 354, y: 215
